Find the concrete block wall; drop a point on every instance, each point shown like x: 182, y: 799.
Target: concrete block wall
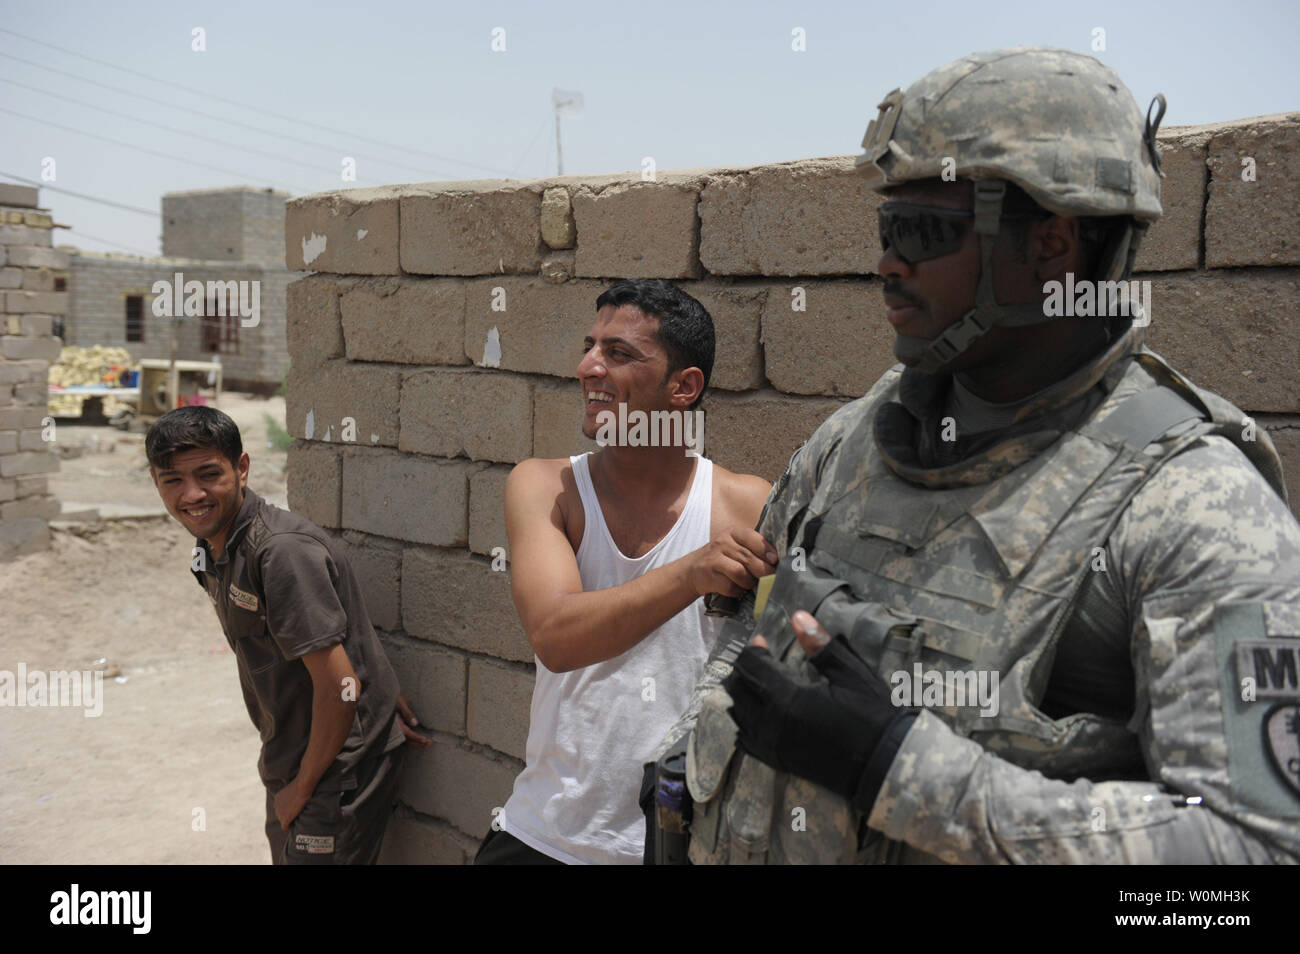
x: 435, y: 346
x: 28, y: 308
x: 229, y: 224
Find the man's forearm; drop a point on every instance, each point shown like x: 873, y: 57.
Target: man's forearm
x: 331, y: 721
x: 591, y: 627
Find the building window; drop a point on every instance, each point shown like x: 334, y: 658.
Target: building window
x: 134, y: 318
x: 221, y: 326
x: 60, y: 284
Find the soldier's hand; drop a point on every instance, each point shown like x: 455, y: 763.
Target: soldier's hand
x: 407, y: 720
x: 731, y: 563
x: 825, y: 731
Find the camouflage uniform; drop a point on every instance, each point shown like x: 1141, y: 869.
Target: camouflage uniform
x: 1124, y: 507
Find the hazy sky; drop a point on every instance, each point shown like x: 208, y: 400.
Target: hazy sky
x: 689, y: 84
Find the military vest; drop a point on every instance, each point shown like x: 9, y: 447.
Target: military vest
x: 961, y: 581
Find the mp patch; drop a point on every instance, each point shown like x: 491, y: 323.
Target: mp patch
x: 314, y: 844
x: 243, y: 599
x: 1273, y: 664
x: 1282, y: 739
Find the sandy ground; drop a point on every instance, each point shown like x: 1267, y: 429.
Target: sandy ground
x: 168, y: 772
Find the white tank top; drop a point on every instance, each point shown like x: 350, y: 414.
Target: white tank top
x: 592, y: 730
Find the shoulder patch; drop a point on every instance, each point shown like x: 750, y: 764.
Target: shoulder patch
x: 1282, y: 739
x: 243, y: 599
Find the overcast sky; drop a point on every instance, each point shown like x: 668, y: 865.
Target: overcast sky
x: 415, y: 92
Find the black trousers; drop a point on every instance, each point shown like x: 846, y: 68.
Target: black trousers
x: 503, y: 848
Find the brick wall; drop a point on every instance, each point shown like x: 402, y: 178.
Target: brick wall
x: 230, y: 224
x: 417, y: 287
x: 28, y: 307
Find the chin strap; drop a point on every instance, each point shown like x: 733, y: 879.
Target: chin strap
x: 931, y: 355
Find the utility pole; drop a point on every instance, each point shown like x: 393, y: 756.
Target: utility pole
x: 567, y: 102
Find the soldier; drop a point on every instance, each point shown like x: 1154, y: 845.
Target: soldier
x: 1033, y: 505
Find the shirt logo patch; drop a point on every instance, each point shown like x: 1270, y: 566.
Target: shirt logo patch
x: 1282, y: 733
x: 314, y: 844
x: 1274, y: 664
x: 243, y: 599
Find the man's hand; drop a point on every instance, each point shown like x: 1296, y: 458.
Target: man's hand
x: 407, y: 720
x: 826, y: 731
x: 731, y: 563
x: 289, y: 803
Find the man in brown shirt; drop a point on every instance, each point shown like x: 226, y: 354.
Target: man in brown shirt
x: 315, y: 678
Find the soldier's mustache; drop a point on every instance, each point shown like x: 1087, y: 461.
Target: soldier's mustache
x: 894, y: 291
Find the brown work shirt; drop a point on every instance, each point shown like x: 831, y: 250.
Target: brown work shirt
x: 283, y: 589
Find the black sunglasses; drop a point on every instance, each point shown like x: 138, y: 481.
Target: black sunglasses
x: 920, y: 232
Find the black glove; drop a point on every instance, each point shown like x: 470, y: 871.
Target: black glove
x: 827, y: 731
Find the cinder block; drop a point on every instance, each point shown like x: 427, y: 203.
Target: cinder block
x: 24, y: 235
x: 37, y: 257
x: 19, y: 347
x: 8, y: 489
x: 407, y: 497
x: 43, y: 507
x: 453, y: 413
x: 320, y: 398
x: 377, y: 564
x: 352, y: 232
x: 48, y: 303
x: 756, y: 433
x: 500, y: 697
x: 37, y: 279
x: 454, y: 782
x: 313, y: 329
x: 433, y: 682
x: 32, y: 485
x: 14, y: 418
x: 1253, y: 220
x: 637, y: 230
x: 1174, y: 242
x: 24, y: 536
x: 487, y: 230
x: 558, y: 230
x: 1229, y: 331
x: 529, y: 325
x: 11, y: 277
x: 452, y: 598
x: 839, y: 344
x: 557, y: 421
x: 32, y: 395
x: 412, y: 839
x: 32, y: 462
x: 315, y: 481
x: 20, y: 196
x: 8, y: 442
x: 1285, y: 433
x: 31, y: 440
x: 736, y: 311
x: 811, y: 217
x: 487, y: 509
x: 36, y: 326
x: 420, y: 321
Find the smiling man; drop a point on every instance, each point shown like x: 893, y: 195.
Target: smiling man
x: 611, y: 553
x: 1026, y: 498
x: 315, y: 678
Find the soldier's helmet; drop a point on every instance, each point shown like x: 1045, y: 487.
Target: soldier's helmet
x: 1060, y: 125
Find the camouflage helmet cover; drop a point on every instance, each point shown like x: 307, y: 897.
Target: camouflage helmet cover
x: 1059, y: 124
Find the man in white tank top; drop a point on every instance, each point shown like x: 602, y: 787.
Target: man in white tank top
x: 612, y: 554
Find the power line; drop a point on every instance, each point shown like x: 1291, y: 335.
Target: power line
x: 247, y: 106
x: 80, y: 195
x: 125, y: 248
x: 172, y: 129
x: 117, y: 142
x: 221, y: 119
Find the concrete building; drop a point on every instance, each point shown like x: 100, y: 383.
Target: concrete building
x: 224, y: 239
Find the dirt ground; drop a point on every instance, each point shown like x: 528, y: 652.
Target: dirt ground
x: 174, y: 737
